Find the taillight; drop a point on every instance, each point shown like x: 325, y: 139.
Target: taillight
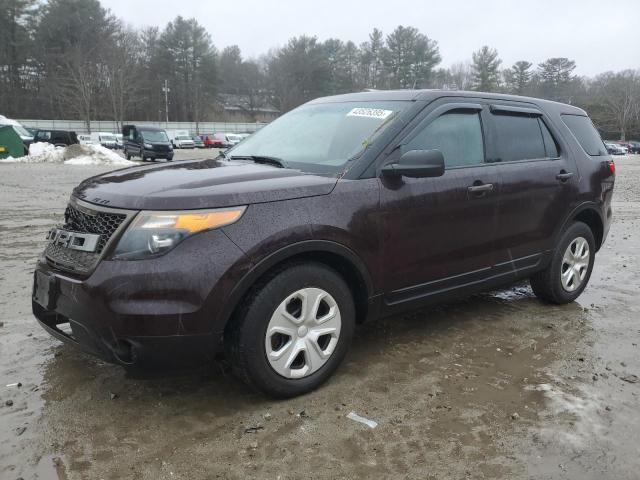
x: 612, y: 167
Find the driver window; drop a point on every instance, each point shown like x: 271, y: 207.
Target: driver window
x: 458, y: 135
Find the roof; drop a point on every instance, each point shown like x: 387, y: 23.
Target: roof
x: 430, y: 95
x: 143, y: 127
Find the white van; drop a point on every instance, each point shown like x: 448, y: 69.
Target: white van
x: 105, y: 139
x: 85, y: 139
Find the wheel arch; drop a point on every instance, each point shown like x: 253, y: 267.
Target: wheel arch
x: 335, y: 255
x: 588, y: 213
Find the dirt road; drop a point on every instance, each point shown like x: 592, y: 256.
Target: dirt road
x: 495, y: 386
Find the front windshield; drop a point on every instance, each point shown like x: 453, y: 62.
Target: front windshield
x: 154, y: 135
x: 321, y: 138
x: 183, y: 138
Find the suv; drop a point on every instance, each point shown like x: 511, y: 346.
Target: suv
x: 345, y: 209
x: 146, y: 142
x: 59, y: 138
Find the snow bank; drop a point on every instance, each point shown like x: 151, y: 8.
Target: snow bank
x: 72, y: 155
x: 93, y: 155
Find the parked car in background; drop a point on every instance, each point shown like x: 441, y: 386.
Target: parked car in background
x: 148, y: 143
x: 183, y: 141
x: 346, y: 209
x: 172, y: 134
x: 614, y: 148
x: 30, y: 131
x: 119, y: 141
x: 59, y: 138
x: 197, y: 142
x: 634, y: 147
x: 105, y: 139
x: 624, y: 146
x: 217, y: 140
x: 23, y: 133
x: 233, y: 138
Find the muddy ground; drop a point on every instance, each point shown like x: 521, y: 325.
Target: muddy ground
x: 495, y: 386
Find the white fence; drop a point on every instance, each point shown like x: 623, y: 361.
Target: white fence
x: 114, y: 127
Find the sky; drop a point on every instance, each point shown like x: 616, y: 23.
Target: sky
x: 600, y: 35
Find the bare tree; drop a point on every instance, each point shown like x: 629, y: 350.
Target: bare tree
x: 121, y: 73
x: 618, y: 95
x: 77, y: 85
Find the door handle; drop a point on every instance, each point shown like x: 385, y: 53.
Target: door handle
x: 485, y: 187
x: 563, y: 176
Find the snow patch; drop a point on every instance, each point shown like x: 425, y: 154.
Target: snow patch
x: 583, y: 407
x: 41, y: 152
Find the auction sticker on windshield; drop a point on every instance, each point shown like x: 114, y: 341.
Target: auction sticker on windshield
x: 370, y: 113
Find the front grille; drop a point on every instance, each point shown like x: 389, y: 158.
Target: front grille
x: 100, y: 223
x: 72, y: 260
x: 90, y: 219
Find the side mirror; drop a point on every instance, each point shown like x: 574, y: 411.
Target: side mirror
x: 417, y: 164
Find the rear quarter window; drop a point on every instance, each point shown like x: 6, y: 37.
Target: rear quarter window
x: 585, y: 133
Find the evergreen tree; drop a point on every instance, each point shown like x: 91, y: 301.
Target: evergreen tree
x: 410, y: 58
x: 556, y: 77
x: 518, y: 77
x: 485, y: 75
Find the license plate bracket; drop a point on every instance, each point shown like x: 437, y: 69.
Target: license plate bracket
x: 45, y: 289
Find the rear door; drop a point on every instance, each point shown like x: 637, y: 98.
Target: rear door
x: 538, y: 182
x: 438, y: 232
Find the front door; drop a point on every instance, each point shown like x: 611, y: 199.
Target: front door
x: 438, y: 232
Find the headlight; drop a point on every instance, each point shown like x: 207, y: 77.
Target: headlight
x: 170, y: 147
x: 148, y: 146
x: 155, y: 233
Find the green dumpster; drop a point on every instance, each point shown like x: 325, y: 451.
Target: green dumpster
x: 10, y: 143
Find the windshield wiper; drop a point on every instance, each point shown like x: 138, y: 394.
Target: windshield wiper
x: 278, y: 162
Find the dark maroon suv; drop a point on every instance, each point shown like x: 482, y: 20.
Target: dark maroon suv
x: 345, y: 209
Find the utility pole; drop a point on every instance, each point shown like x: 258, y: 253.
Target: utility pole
x: 165, y: 89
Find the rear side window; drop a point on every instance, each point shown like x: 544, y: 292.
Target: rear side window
x: 518, y: 138
x: 458, y: 135
x: 586, y: 134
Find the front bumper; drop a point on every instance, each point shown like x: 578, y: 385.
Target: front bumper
x: 155, y: 154
x: 146, y: 312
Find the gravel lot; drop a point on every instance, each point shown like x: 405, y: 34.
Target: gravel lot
x: 495, y: 386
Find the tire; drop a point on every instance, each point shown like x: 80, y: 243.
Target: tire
x: 252, y: 345
x: 127, y: 155
x: 548, y: 284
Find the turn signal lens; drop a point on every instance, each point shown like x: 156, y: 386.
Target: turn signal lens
x: 612, y: 167
x: 189, y: 222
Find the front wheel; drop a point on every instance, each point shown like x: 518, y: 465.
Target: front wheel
x: 293, y: 331
x: 570, y: 269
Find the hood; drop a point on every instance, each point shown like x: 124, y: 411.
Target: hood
x: 200, y: 184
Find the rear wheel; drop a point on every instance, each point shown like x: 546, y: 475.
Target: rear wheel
x: 570, y: 269
x: 293, y: 331
x: 127, y: 154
